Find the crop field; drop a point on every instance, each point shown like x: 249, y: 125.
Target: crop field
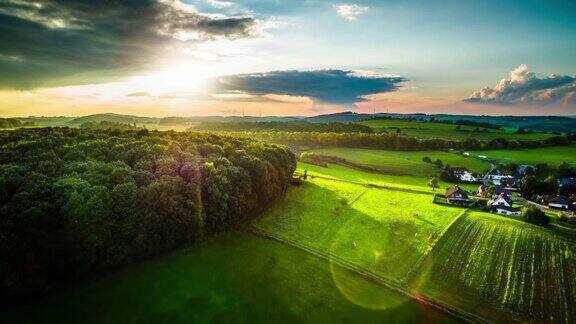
x: 486, y: 261
x: 405, y: 163
x: 554, y: 156
x: 383, y: 231
x: 446, y: 131
x: 418, y: 183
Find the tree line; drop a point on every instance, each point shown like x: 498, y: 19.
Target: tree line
x: 394, y: 141
x: 290, y: 126
x: 78, y: 201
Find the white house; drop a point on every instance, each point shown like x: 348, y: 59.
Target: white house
x: 500, y: 179
x: 559, y: 203
x: 502, y: 200
x: 463, y: 174
x: 509, y: 211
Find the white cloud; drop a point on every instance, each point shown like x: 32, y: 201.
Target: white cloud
x: 525, y: 87
x: 350, y: 12
x: 220, y: 4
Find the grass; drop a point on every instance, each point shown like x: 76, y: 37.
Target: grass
x: 446, y: 131
x: 486, y: 263
x: 237, y: 278
x: 553, y: 156
x: 405, y: 163
x: 383, y: 231
x: 418, y: 183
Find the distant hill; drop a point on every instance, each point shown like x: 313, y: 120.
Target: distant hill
x: 220, y: 119
x: 563, y: 124
x: 46, y: 121
x: 113, y: 118
x: 12, y: 123
x: 343, y: 117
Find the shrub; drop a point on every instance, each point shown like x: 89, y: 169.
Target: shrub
x: 534, y: 215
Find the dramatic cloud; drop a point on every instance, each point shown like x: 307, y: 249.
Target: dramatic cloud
x: 350, y: 12
x: 54, y: 42
x: 524, y: 87
x: 326, y: 86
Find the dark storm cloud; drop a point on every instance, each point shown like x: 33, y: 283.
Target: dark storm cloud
x: 53, y: 42
x: 327, y: 86
x: 524, y: 87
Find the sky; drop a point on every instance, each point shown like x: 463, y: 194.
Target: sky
x: 286, y: 57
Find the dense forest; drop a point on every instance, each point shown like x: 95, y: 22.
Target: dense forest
x: 393, y: 141
x: 289, y: 126
x: 78, y: 201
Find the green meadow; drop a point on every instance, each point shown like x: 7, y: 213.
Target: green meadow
x: 554, y: 156
x: 382, y: 231
x: 417, y: 183
x: 403, y: 162
x: 447, y: 131
x: 237, y: 278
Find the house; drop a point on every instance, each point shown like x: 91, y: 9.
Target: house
x: 498, y: 178
x: 463, y: 174
x: 508, y: 211
x: 457, y: 196
x: 502, y: 190
x: 559, y: 203
x: 503, y: 200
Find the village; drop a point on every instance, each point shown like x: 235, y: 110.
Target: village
x: 508, y: 189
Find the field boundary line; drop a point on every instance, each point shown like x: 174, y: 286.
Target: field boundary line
x: 411, y: 275
x: 345, y: 264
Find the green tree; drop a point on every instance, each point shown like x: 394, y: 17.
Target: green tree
x: 433, y: 183
x: 533, y: 215
x: 550, y: 186
x: 529, y: 186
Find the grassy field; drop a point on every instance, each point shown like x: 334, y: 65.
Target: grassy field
x: 554, y: 156
x: 418, y: 183
x: 446, y: 131
x: 500, y: 263
x: 405, y: 163
x: 383, y: 231
x: 237, y: 278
